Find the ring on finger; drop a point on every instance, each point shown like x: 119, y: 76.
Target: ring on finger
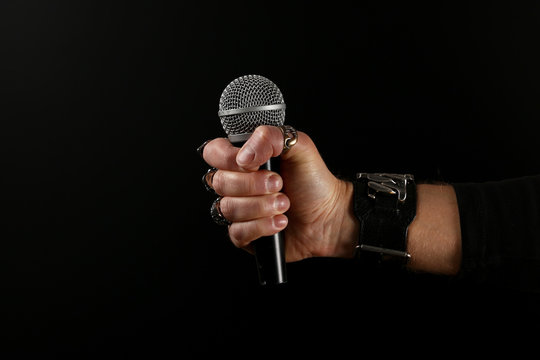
x: 290, y: 136
x: 200, y: 149
x: 208, y: 178
x: 217, y: 215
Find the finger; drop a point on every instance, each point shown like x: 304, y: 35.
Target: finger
x: 238, y: 209
x: 233, y: 183
x: 221, y: 154
x: 265, y: 142
x: 243, y: 233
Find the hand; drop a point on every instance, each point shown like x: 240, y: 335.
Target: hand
x: 306, y: 199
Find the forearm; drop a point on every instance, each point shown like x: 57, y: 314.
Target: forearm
x: 434, y: 236
x: 487, y: 232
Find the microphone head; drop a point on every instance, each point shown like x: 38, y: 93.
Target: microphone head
x: 250, y: 101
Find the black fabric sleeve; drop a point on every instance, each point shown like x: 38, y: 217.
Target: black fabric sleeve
x: 500, y: 229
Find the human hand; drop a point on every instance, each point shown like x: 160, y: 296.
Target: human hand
x: 311, y: 205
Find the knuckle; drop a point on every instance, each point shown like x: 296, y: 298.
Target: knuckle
x: 273, y: 137
x: 265, y: 135
x: 210, y: 151
x: 237, y: 235
x: 217, y: 182
x: 265, y: 226
x: 263, y: 131
x: 242, y: 234
x: 219, y: 153
x: 247, y: 183
x: 271, y: 204
x: 260, y: 206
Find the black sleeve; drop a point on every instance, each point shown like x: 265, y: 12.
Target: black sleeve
x: 500, y: 228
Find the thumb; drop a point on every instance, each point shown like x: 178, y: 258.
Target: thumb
x: 265, y: 142
x: 303, y: 163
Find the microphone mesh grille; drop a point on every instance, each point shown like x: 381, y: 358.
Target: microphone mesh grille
x: 250, y: 91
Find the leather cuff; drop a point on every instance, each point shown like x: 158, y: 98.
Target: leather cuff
x: 385, y: 205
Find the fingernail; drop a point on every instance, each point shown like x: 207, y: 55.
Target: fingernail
x: 273, y: 183
x: 281, y: 203
x: 245, y: 156
x: 280, y: 221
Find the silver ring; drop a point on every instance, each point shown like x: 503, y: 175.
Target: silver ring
x: 217, y: 215
x: 290, y: 136
x: 207, y: 179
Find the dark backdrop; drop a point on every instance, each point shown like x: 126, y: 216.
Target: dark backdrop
x: 107, y: 247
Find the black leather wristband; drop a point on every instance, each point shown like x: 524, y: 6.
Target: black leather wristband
x: 385, y: 205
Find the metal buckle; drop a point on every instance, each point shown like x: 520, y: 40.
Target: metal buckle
x: 387, y: 183
x: 384, y: 251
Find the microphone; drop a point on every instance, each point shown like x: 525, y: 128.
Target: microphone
x: 246, y: 103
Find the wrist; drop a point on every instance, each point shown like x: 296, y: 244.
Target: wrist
x: 349, y: 226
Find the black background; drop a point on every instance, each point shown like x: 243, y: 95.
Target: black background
x: 107, y: 248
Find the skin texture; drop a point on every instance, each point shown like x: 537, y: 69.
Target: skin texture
x: 314, y: 208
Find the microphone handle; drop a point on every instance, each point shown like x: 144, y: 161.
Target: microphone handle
x: 269, y: 250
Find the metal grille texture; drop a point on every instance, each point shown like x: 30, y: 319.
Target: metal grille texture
x: 250, y: 91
